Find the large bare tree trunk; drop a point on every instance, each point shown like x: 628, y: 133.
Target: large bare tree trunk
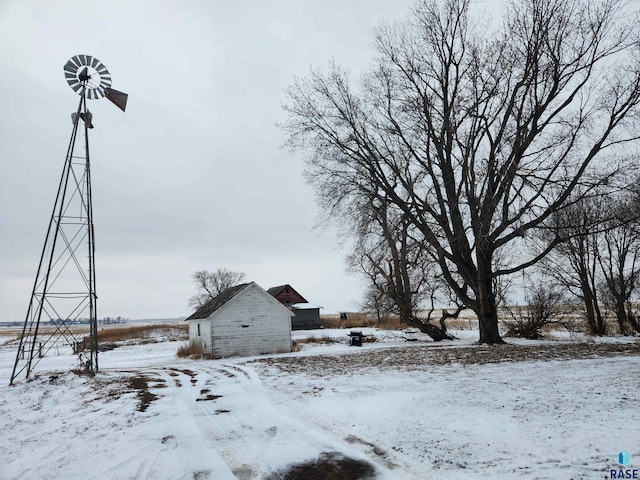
x: 592, y: 312
x: 437, y: 334
x: 487, y: 313
x: 621, y: 312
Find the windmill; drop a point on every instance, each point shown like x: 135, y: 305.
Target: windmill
x: 64, y: 301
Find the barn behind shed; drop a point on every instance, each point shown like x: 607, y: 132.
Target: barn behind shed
x: 287, y: 295
x: 307, y: 315
x: 241, y: 321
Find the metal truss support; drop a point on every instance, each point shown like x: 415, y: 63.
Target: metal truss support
x: 63, y: 300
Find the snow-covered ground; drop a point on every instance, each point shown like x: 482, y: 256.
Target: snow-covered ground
x: 400, y: 409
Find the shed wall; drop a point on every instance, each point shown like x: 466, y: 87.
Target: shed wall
x: 306, y: 319
x: 251, y: 324
x: 204, y: 338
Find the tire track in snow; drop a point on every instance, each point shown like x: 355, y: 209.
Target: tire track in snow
x: 184, y: 432
x: 214, y: 420
x: 257, y: 437
x: 167, y: 449
x: 228, y: 423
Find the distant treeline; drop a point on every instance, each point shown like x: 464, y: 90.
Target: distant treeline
x: 85, y: 321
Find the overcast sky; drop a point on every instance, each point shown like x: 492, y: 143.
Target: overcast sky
x: 193, y: 175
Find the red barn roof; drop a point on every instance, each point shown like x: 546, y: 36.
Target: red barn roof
x: 286, y: 294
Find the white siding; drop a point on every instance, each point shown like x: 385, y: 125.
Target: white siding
x: 204, y: 338
x: 251, y: 323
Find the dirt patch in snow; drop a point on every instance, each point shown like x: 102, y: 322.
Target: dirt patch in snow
x: 419, y: 357
x: 140, y: 383
x: 190, y: 373
x: 328, y: 466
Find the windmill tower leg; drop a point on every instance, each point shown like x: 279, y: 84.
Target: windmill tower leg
x: 93, y: 298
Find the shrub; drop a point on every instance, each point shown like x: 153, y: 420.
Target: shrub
x: 191, y: 349
x: 545, y: 306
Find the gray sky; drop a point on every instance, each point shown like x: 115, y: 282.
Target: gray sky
x: 193, y: 175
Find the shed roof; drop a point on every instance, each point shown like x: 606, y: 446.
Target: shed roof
x: 215, y: 303
x: 305, y: 306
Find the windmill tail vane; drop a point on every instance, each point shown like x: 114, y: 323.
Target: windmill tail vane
x: 63, y: 300
x: 119, y: 99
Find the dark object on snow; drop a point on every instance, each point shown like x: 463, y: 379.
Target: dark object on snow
x: 356, y: 338
x: 328, y: 466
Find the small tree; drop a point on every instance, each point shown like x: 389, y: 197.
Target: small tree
x: 574, y: 263
x: 619, y: 260
x: 598, y: 257
x: 545, y: 306
x: 399, y: 269
x: 210, y: 284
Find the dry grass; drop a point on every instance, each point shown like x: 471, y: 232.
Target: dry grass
x: 111, y: 333
x: 191, y: 349
x: 296, y: 345
x: 322, y: 339
x: 355, y: 319
x: 466, y: 321
x: 143, y: 332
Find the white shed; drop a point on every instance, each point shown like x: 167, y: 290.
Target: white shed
x: 241, y: 321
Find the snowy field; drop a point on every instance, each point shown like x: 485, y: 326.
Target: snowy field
x: 393, y: 409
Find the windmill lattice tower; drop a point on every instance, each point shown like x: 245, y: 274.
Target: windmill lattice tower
x: 63, y: 301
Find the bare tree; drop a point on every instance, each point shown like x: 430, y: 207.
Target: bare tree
x: 388, y: 257
x: 374, y: 301
x: 598, y: 258
x: 619, y: 260
x: 477, y: 134
x: 574, y: 263
x: 545, y: 305
x: 398, y: 269
x: 210, y: 284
